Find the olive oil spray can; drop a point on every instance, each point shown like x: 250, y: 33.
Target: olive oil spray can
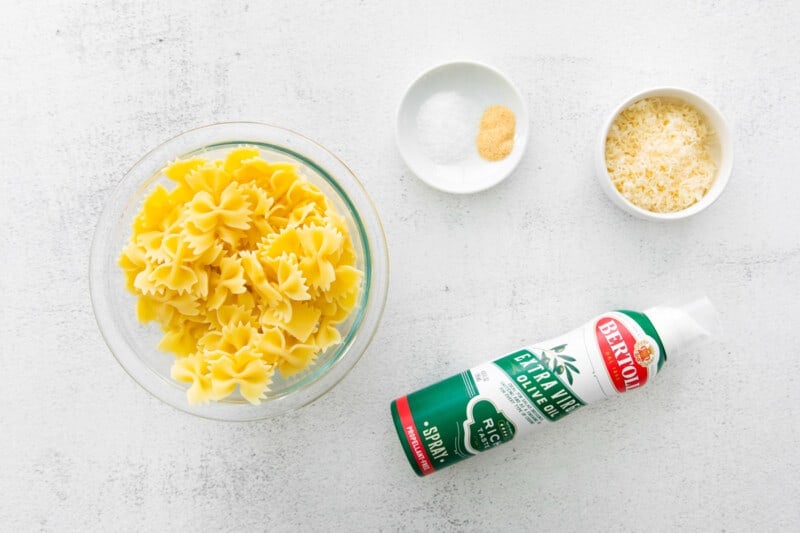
x: 526, y: 390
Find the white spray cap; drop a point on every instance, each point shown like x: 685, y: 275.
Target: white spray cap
x: 686, y: 325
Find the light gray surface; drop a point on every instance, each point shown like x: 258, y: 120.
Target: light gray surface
x: 86, y: 89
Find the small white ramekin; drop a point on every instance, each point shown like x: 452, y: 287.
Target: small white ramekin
x: 481, y: 86
x: 721, y: 151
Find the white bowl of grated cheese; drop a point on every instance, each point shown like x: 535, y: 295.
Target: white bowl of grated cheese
x: 664, y: 154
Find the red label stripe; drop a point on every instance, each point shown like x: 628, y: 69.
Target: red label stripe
x: 412, y: 437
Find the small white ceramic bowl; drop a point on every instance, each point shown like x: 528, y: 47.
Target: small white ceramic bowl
x: 721, y: 152
x: 476, y: 86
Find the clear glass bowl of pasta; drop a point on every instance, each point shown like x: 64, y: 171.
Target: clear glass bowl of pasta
x: 134, y: 344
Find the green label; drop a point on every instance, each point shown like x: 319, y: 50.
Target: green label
x: 430, y: 423
x: 487, y: 427
x: 541, y: 385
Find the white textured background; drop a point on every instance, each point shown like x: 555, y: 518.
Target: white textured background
x: 87, y: 88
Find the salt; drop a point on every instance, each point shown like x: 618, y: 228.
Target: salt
x: 446, y: 125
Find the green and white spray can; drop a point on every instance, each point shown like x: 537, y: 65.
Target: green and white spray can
x: 526, y: 390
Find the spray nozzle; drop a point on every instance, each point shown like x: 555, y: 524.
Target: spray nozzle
x: 685, y: 325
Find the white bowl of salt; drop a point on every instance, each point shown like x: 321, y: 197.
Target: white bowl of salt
x: 462, y: 127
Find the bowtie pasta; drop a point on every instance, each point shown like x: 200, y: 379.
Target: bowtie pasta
x: 248, y: 269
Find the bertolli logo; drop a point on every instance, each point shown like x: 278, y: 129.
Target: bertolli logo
x: 626, y: 359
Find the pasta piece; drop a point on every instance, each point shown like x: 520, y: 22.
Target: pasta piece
x: 232, y: 315
x: 278, y: 315
x: 133, y: 261
x: 303, y: 321
x: 178, y: 170
x: 262, y: 207
x: 346, y: 281
x: 235, y: 158
x: 289, y: 278
x: 327, y: 306
x: 303, y: 214
x: 287, y: 242
x: 200, y: 289
x: 147, y: 309
x: 231, y: 210
x: 288, y: 357
x: 320, y: 246
x: 176, y: 272
x: 253, y: 170
x: 151, y: 243
x: 210, y: 341
x: 247, y: 371
x: 180, y: 340
x: 229, y: 280
x: 184, y: 304
x: 344, y: 306
x: 143, y: 282
x: 156, y: 209
x: 258, y: 279
x: 327, y: 336
x: 193, y: 369
x: 174, y: 275
x: 179, y: 196
x: 237, y: 336
x: 208, y: 178
x: 246, y: 300
x: 282, y: 177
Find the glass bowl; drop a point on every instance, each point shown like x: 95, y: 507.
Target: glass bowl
x: 134, y: 344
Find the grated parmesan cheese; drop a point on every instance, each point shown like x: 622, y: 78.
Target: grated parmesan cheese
x: 658, y: 156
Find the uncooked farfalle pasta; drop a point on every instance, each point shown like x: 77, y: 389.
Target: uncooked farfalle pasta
x: 246, y: 266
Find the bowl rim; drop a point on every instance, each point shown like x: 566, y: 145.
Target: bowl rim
x: 724, y: 169
x: 523, y: 140
x: 370, y: 232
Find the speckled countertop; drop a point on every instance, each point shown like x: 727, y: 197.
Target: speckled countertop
x: 87, y: 88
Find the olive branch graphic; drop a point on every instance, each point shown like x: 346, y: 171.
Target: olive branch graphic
x: 559, y: 362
